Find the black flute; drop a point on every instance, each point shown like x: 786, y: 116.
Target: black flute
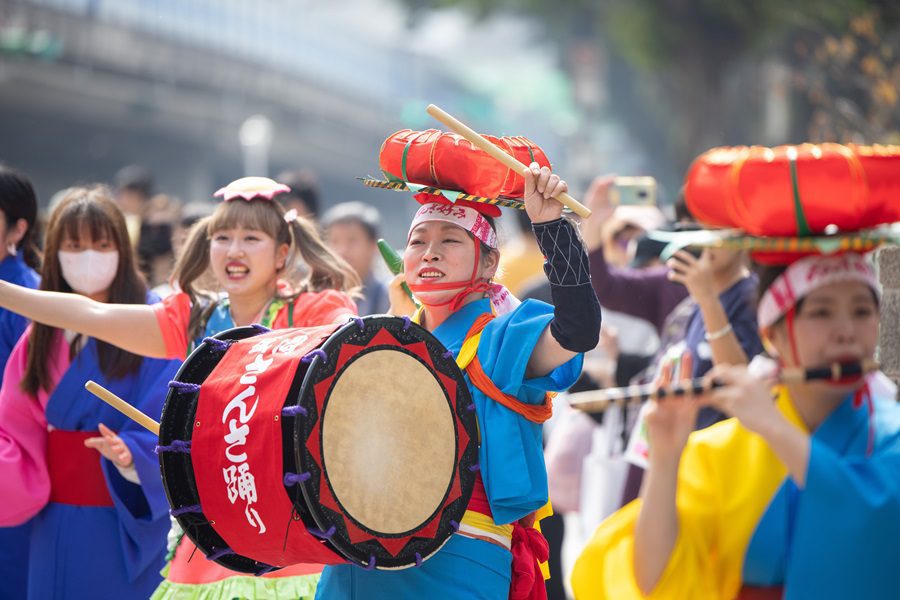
x: 596, y: 401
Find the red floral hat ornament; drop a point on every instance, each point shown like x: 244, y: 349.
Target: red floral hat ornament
x: 446, y: 168
x: 459, y: 183
x: 786, y: 202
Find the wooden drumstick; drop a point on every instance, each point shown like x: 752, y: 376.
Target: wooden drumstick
x: 596, y: 401
x: 122, y: 406
x: 470, y: 134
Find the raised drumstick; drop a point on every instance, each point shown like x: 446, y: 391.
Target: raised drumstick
x: 122, y: 406
x: 470, y: 134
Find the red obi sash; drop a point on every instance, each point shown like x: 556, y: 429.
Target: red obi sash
x: 76, y: 476
x: 528, y: 548
x: 479, y: 501
x: 755, y: 592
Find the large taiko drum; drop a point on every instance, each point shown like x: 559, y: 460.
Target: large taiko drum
x: 795, y: 190
x: 448, y: 161
x: 343, y: 443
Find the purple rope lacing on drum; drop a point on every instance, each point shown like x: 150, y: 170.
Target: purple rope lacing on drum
x: 184, y: 387
x: 371, y: 565
x: 192, y: 508
x: 471, y: 407
x: 217, y: 554
x: 406, y: 323
x: 176, y: 446
x: 311, y: 355
x: 418, y: 559
x: 260, y: 328
x: 295, y: 478
x: 217, y: 345
x: 325, y: 535
x: 475, y: 467
x: 454, y: 525
x: 264, y: 569
x: 293, y: 411
x: 447, y: 354
x: 360, y: 323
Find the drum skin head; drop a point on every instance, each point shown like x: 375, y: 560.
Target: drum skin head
x: 391, y: 442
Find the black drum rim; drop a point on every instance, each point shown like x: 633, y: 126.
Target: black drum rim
x: 363, y: 330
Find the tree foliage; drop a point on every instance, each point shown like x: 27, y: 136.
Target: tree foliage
x: 687, y: 60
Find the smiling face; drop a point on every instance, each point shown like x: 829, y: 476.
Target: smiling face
x: 836, y: 323
x: 439, y: 252
x: 245, y: 261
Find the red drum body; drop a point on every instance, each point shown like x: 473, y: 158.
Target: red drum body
x: 795, y: 190
x: 343, y: 443
x: 450, y: 162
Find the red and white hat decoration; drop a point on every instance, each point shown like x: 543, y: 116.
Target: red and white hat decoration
x: 807, y: 275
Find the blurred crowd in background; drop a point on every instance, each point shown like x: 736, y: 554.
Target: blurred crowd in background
x: 166, y: 101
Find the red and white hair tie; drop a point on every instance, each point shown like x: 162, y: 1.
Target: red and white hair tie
x: 462, y: 216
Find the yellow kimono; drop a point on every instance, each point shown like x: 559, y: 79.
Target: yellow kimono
x: 742, y: 521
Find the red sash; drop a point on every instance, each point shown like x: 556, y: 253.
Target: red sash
x: 755, y: 592
x: 76, y: 476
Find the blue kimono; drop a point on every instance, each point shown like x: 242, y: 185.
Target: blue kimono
x: 743, y: 521
x: 511, y: 458
x: 838, y: 537
x: 79, y: 550
x: 14, y: 540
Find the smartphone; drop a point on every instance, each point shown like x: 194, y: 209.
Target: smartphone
x: 634, y: 191
x: 695, y: 251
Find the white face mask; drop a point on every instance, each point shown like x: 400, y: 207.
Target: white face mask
x: 89, y: 271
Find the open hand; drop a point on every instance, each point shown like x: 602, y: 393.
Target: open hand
x: 696, y: 274
x: 600, y: 203
x: 111, y: 447
x: 744, y: 397
x: 671, y: 420
x: 401, y: 304
x: 541, y: 189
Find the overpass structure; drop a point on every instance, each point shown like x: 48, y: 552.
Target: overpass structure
x: 88, y: 86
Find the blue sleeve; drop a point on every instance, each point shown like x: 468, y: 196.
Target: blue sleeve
x: 12, y: 326
x: 507, y: 343
x: 143, y: 509
x: 511, y: 454
x: 743, y: 321
x: 847, y: 524
x: 747, y: 332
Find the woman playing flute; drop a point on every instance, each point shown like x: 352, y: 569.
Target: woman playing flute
x: 796, y: 498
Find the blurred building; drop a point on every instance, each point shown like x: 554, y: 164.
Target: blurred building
x: 88, y: 86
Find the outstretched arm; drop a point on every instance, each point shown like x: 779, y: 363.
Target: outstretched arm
x: 575, y: 327
x: 132, y: 327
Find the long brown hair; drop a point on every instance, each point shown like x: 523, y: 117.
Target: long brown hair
x: 327, y: 270
x: 85, y: 209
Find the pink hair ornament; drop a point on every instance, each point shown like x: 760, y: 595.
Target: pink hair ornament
x: 249, y: 188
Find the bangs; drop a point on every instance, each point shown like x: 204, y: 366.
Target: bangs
x: 261, y: 215
x: 86, y: 216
